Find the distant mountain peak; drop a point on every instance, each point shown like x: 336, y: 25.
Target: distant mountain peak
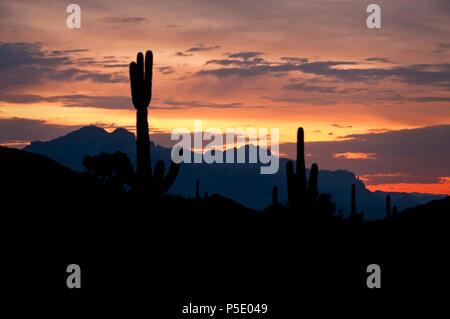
x: 91, y: 129
x: 121, y: 130
x: 71, y: 149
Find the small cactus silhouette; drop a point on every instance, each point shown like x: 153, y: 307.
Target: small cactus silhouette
x: 197, y: 189
x: 141, y: 92
x: 353, y: 199
x: 275, y: 196
x: 354, y: 215
x: 301, y: 197
x: 388, y: 206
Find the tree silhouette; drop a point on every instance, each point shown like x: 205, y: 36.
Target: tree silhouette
x: 112, y: 170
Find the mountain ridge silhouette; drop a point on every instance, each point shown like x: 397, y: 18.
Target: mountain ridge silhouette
x: 70, y: 150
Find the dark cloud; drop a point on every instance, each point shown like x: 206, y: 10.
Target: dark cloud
x: 65, y: 52
x: 310, y: 88
x: 341, y: 126
x: 443, y: 45
x: 115, y: 102
x: 125, y: 19
x: 201, y: 47
x: 166, y: 69
x: 116, y: 65
x: 375, y: 59
x: 263, y: 67
x: 243, y: 63
x: 26, y: 54
x: 172, y: 26
x: 419, y: 74
x: 73, y: 100
x: 294, y: 60
x: 100, y: 77
x: 27, y: 64
x: 182, y: 54
x: 420, y: 154
x: 431, y: 99
x: 22, y: 131
x: 197, y: 104
x: 245, y: 55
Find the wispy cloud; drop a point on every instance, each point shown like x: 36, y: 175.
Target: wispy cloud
x: 166, y: 69
x: 199, y: 48
x: 383, y: 60
x: 21, y: 131
x: 125, y: 19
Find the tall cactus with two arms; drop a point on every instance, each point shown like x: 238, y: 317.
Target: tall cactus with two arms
x: 141, y: 92
x: 300, y: 196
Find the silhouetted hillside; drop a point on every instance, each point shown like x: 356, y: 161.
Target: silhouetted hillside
x: 241, y: 182
x: 71, y: 149
x: 25, y: 174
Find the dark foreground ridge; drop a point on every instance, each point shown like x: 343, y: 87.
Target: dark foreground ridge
x: 207, y: 248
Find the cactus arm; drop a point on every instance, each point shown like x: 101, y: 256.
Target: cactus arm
x: 171, y: 176
x: 148, y: 75
x: 300, y: 164
x: 158, y: 173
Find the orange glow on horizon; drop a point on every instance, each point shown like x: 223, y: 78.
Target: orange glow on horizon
x: 438, y: 188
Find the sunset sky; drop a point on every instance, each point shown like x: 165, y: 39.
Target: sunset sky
x: 372, y: 101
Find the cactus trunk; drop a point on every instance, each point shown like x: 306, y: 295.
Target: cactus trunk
x: 143, y: 145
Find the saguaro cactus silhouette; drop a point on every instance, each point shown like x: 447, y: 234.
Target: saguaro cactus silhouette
x: 301, y: 196
x: 354, y: 215
x: 141, y: 92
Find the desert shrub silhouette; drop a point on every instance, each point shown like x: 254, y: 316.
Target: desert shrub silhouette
x: 141, y: 92
x: 114, y: 171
